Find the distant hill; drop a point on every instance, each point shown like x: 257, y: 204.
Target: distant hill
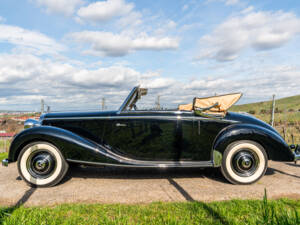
x: 283, y: 104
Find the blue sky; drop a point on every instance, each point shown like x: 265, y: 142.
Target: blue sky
x: 72, y: 53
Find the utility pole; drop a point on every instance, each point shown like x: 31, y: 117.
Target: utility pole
x: 42, y: 106
x: 48, y: 109
x: 273, y: 111
x: 157, y: 103
x: 103, y: 104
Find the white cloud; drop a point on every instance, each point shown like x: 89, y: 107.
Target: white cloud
x: 64, y: 85
x: 2, y: 19
x: 231, y: 2
x: 31, y: 78
x: 226, y: 2
x: 261, y: 30
x: 103, y: 11
x: 65, y: 7
x: 109, y: 44
x: 132, y: 19
x: 33, y: 40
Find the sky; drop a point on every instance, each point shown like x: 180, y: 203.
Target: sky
x: 74, y: 53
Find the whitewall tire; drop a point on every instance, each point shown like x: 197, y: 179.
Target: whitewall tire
x: 244, y: 162
x: 41, y: 164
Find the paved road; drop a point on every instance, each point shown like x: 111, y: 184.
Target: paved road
x: 117, y: 185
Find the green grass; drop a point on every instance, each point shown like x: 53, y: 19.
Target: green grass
x: 286, y: 118
x: 3, y: 156
x: 282, y: 211
x: 282, y: 104
x: 4, y: 144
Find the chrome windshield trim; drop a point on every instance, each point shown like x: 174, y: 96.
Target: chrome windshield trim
x: 128, y: 99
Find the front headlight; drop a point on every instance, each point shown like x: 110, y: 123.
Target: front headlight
x: 31, y: 123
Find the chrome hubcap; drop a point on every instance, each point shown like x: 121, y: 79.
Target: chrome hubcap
x: 245, y: 162
x: 41, y: 164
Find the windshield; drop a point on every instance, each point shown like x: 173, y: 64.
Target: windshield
x: 133, y: 97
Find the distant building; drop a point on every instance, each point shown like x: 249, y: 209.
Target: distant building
x: 6, y: 135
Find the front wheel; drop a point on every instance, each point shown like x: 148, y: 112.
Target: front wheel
x: 244, y: 162
x: 41, y: 164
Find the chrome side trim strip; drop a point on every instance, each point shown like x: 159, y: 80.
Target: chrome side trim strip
x: 153, y: 165
x: 178, y: 117
x: 158, y: 111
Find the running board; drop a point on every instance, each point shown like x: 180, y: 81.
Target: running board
x: 148, y: 164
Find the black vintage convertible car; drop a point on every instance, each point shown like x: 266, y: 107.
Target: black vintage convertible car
x: 200, y: 134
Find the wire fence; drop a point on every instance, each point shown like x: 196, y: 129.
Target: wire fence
x: 5, y: 143
x: 288, y: 125
x: 286, y: 122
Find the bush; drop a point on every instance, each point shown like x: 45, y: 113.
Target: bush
x: 263, y: 111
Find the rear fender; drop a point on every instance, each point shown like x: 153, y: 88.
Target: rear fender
x: 276, y: 148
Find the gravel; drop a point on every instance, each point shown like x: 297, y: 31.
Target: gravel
x: 129, y: 186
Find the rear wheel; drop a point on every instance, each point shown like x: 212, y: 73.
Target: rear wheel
x: 244, y: 162
x: 41, y: 164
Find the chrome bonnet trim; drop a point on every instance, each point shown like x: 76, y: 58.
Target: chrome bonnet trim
x: 5, y: 162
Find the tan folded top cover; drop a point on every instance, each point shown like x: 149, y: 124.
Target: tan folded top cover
x: 224, y: 103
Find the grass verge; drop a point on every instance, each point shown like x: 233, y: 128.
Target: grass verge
x: 3, y: 155
x: 281, y: 211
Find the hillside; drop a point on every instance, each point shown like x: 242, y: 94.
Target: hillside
x: 284, y: 104
x: 286, y: 118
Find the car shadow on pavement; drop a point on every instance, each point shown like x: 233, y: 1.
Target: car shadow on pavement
x: 271, y: 171
x: 143, y: 173
x: 293, y: 164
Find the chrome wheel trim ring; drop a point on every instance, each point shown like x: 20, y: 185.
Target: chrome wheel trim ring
x: 41, y: 164
x: 245, y: 162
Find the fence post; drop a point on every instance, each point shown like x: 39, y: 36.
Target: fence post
x: 273, y: 111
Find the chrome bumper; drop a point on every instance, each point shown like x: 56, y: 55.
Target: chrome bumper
x: 5, y: 162
x: 296, y: 151
x: 297, y: 156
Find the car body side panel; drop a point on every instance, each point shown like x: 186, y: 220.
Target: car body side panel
x: 142, y: 139
x: 71, y: 145
x: 199, y: 136
x: 276, y: 147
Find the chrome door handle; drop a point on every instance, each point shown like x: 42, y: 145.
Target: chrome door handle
x: 121, y: 124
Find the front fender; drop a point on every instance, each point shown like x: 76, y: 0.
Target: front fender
x: 277, y: 149
x: 71, y: 145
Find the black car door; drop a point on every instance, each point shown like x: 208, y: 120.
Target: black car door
x: 150, y: 138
